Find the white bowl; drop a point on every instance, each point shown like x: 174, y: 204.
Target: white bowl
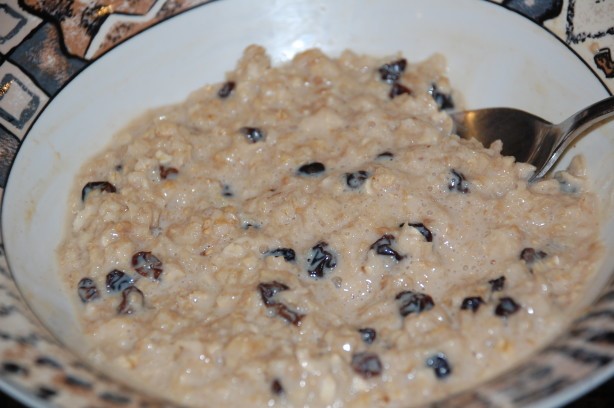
x: 496, y: 58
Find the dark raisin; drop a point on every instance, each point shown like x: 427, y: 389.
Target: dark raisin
x: 276, y: 387
x: 119, y: 167
x: 383, y: 247
x: 48, y: 362
x: 226, y: 89
x: 114, y: 399
x: 310, y: 169
x: 102, y: 186
x: 496, y: 285
x: 397, y: 89
x: 269, y: 290
x: 78, y: 382
x: 248, y: 224
x: 7, y: 310
x: 356, y: 179
x: 227, y: 191
x: 458, y: 182
x: 443, y: 100
x: 45, y: 393
x: 367, y: 364
x: 87, y: 290
x: 132, y: 300
x: 117, y: 281
x: 530, y: 255
x: 506, y: 307
x: 287, y: 314
x: 13, y: 368
x: 288, y: 253
x: 413, y: 302
x: 168, y: 172
x: 566, y: 185
x: 440, y: 365
x: 319, y: 260
x: 385, y: 156
x: 368, y: 335
x: 426, y: 233
x: 392, y: 71
x: 30, y: 340
x: 252, y: 134
x: 472, y: 303
x: 147, y: 264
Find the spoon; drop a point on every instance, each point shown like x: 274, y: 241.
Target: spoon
x: 529, y: 138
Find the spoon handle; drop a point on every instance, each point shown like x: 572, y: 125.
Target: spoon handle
x: 568, y: 131
x: 578, y: 123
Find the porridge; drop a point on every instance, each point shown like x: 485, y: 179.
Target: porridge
x: 313, y: 235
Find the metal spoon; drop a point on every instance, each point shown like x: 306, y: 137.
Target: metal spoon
x: 528, y: 138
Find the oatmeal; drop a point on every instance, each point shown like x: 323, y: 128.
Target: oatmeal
x: 314, y: 235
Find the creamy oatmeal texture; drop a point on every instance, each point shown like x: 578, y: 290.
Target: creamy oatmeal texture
x: 313, y: 235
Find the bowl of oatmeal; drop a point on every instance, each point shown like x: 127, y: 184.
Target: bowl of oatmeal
x: 281, y: 215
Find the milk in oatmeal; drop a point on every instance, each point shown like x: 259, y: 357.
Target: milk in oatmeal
x: 313, y: 235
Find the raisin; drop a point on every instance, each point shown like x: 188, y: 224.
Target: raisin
x: 287, y: 314
x: 530, y: 255
x: 506, y: 307
x: 87, y: 290
x: 319, y: 260
x: 117, y: 281
x: 565, y: 184
x: 385, y: 156
x: 367, y: 364
x: 310, y: 169
x: 276, y: 387
x: 226, y: 89
x: 356, y: 179
x: 252, y: 134
x: 368, y: 335
x: 13, y: 368
x: 102, y: 186
x: 147, y: 264
x: 426, y: 233
x: 269, y: 290
x: 413, y: 302
x: 132, y: 300
x: 496, y: 285
x: 382, y: 247
x: 397, y: 89
x: 45, y: 393
x: 392, y: 71
x: 288, y: 253
x: 440, y: 365
x: 168, y: 172
x: 227, y: 191
x: 458, y: 182
x: 249, y: 224
x: 48, y: 362
x: 472, y: 303
x: 443, y: 100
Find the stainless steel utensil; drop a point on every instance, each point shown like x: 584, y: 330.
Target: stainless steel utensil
x: 529, y: 138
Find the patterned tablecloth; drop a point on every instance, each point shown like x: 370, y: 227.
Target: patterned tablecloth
x: 46, y: 43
